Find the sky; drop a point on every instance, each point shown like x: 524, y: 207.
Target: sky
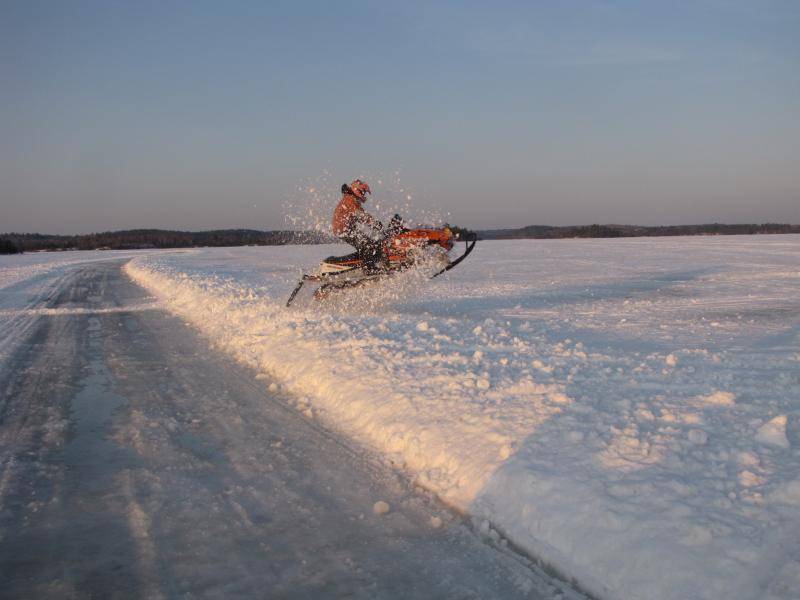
x: 209, y: 115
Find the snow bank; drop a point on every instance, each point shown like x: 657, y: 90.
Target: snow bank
x: 635, y: 426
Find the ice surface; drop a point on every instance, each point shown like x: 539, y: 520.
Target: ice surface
x: 625, y: 410
x: 29, y: 281
x: 16, y: 268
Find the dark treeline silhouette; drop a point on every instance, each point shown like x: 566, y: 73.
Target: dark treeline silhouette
x: 613, y: 231
x: 157, y: 238
x: 8, y: 247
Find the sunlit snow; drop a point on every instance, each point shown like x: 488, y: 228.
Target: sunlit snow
x: 628, y: 411
x: 625, y: 410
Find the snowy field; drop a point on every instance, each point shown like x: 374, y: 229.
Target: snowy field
x: 27, y: 281
x: 627, y: 411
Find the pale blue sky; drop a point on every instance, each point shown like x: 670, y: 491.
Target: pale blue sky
x: 199, y: 115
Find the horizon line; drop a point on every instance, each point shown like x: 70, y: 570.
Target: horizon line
x: 106, y: 231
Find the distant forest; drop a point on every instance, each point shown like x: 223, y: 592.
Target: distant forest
x: 615, y: 231
x: 154, y: 238
x: 11, y: 243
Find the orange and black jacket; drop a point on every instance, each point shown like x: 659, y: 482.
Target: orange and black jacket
x: 349, y: 213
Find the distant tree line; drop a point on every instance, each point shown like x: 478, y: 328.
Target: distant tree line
x: 135, y: 239
x: 157, y: 238
x: 614, y: 231
x: 8, y: 247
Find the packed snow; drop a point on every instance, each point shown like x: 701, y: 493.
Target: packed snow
x: 627, y: 411
x: 28, y: 281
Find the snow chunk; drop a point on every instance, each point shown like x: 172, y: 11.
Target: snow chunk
x: 773, y: 433
x: 537, y: 364
x: 423, y: 326
x: 719, y: 398
x: 749, y: 479
x: 748, y: 459
x: 698, y: 437
x: 671, y: 360
x: 380, y: 507
x: 436, y: 522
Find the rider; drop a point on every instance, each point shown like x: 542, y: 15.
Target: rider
x: 355, y: 226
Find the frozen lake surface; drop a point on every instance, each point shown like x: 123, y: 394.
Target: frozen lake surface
x: 626, y: 411
x: 137, y: 462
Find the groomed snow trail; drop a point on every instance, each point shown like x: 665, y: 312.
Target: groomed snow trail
x: 137, y: 462
x: 29, y: 281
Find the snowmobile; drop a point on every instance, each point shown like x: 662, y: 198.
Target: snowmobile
x: 402, y: 249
